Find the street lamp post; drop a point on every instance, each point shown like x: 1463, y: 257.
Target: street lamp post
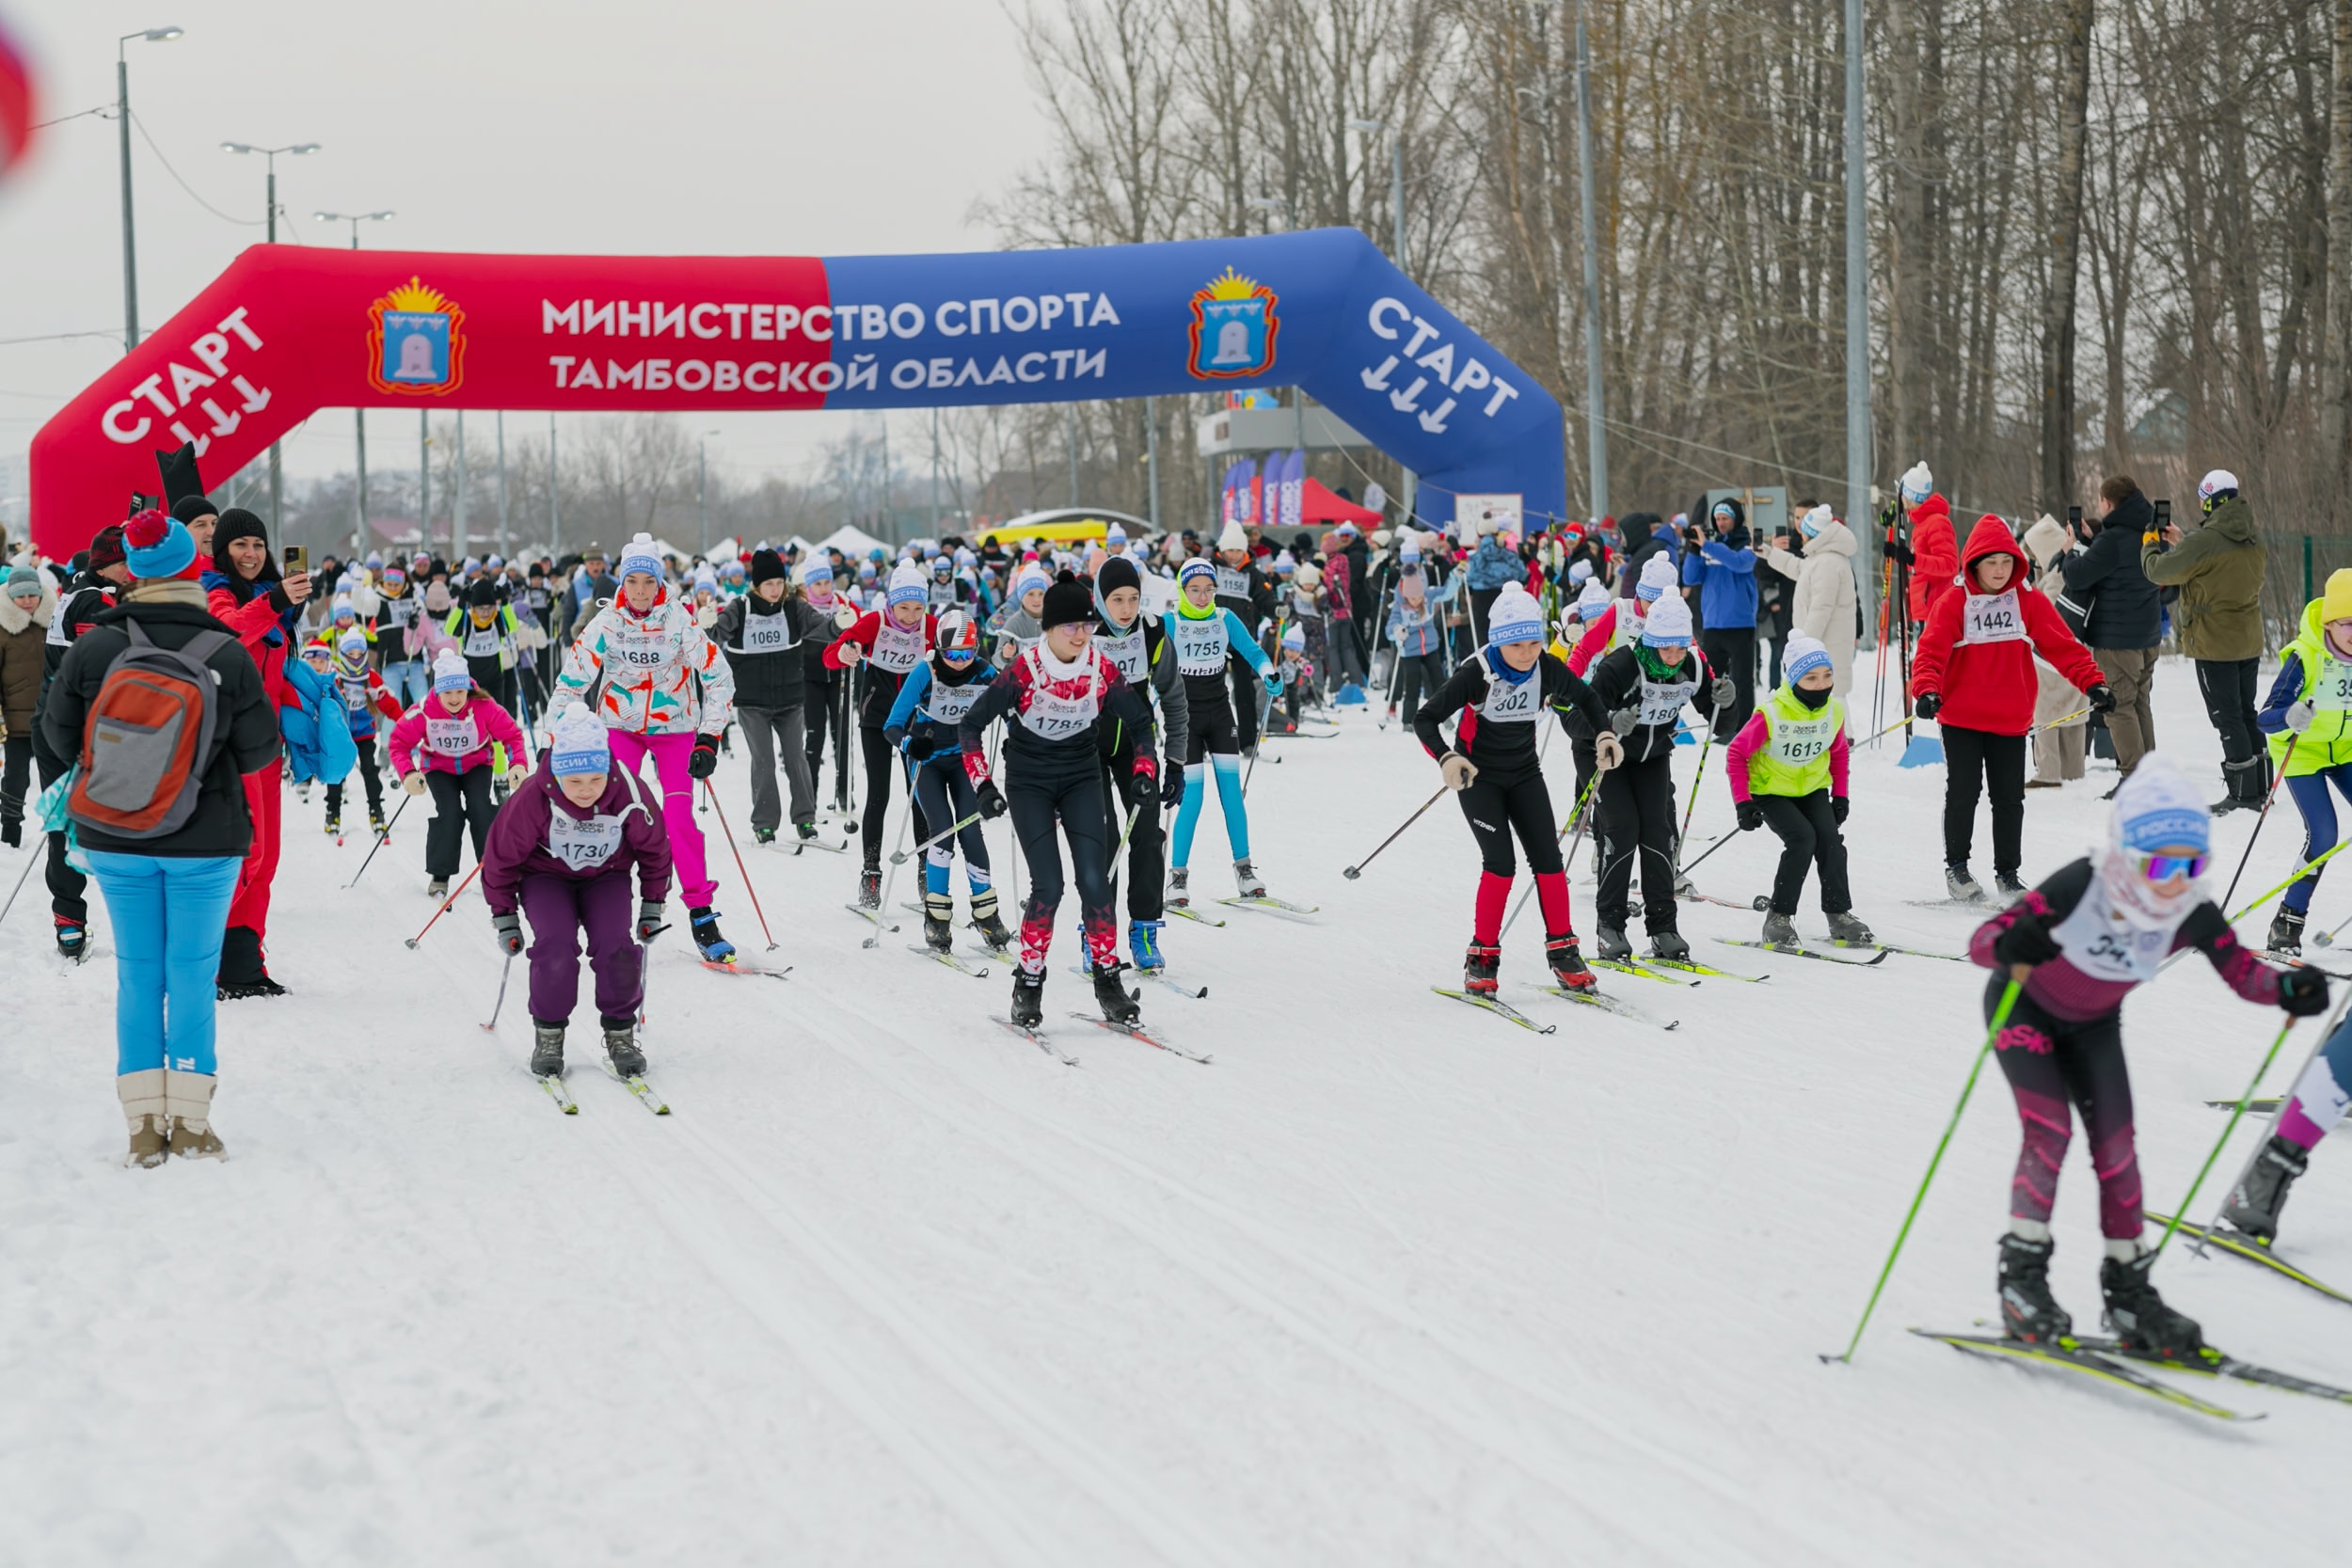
x: 122, y: 123
x: 702, y: 476
x: 1407, y: 490
x: 298, y: 150
x: 359, y: 416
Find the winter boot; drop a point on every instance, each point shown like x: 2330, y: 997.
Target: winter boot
x: 1780, y: 931
x: 2286, y: 931
x: 1479, y: 967
x: 1961, y: 886
x: 437, y: 888
x: 72, y: 936
x: 1143, y: 941
x: 1669, y: 945
x: 546, y: 1049
x: 241, y: 975
x: 869, y: 881
x: 188, y: 1096
x: 939, y: 913
x: 988, y: 923
x: 1112, y: 997
x: 715, y: 949
x: 763, y: 835
x: 2006, y: 887
x: 1179, y: 894
x: 13, y: 831
x: 1612, y: 943
x: 2029, y: 1311
x: 1568, y: 965
x: 1028, y: 998
x: 1844, y: 927
x: 143, y: 1107
x: 2256, y: 1201
x: 621, y: 1049
x: 1247, y: 882
x: 2138, y: 1315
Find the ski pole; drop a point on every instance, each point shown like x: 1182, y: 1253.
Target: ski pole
x: 1265, y: 711
x: 2293, y: 877
x: 941, y: 837
x: 1353, y: 872
x: 2272, y: 794
x: 500, y: 1006
x: 2237, y: 1110
x: 2277, y: 1116
x: 446, y: 903
x: 1576, y: 819
x: 2325, y: 939
x: 1992, y: 1032
x: 1121, y: 848
x: 1881, y: 735
x: 882, y: 913
x: 381, y: 839
x: 740, y: 868
x: 1710, y: 849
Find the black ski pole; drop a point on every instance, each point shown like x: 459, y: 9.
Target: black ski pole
x: 23, y: 875
x: 381, y: 839
x: 1353, y: 872
x: 2271, y: 796
x: 1710, y: 849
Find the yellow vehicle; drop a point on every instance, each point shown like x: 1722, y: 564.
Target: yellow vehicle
x: 1065, y: 526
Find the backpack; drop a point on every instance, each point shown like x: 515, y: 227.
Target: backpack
x: 146, y: 737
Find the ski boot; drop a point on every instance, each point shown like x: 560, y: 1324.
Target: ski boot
x: 621, y: 1049
x: 302, y: 792
x: 2138, y: 1315
x: 73, y: 937
x: 1028, y: 998
x: 1479, y: 968
x: 763, y: 835
x: 2286, y: 932
x: 1780, y: 931
x: 1247, y: 882
x: 1109, y: 995
x: 334, y: 825
x: 1958, y: 884
x: 1669, y: 945
x: 805, y: 832
x: 715, y: 949
x: 1613, y: 945
x: 1179, y: 892
x: 1844, y: 927
x: 546, y: 1049
x: 869, y: 881
x: 1568, y: 963
x: 1143, y: 941
x: 2006, y: 887
x: 376, y: 824
x: 2029, y: 1311
x: 988, y: 923
x: 437, y: 888
x: 939, y: 913
x: 2256, y: 1201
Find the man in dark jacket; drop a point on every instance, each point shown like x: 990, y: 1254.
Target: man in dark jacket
x: 765, y: 636
x: 2124, y: 616
x: 2218, y: 621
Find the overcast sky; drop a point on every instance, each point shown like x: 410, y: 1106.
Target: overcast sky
x: 670, y: 127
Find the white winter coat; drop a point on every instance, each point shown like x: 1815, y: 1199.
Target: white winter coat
x: 1824, y: 594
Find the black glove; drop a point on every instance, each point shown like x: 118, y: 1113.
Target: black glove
x: 1171, y: 787
x: 1927, y: 704
x: 1839, y: 806
x: 1901, y: 552
x: 1751, y: 814
x: 2102, y: 697
x: 2303, y: 992
x: 704, y: 761
x: 2025, y: 942
x: 510, y: 930
x: 992, y: 800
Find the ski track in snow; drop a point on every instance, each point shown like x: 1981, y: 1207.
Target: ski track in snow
x: 1392, y: 1282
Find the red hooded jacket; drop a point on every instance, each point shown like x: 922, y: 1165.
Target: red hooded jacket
x: 1988, y: 683
x: 1936, y: 558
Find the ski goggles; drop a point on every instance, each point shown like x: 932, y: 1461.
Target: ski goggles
x: 2163, y: 868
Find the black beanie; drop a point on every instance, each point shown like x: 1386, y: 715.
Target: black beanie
x: 767, y: 566
x: 1116, y: 573
x: 1066, y: 601
x: 188, y: 508
x: 483, y: 593
x: 236, y: 523
x: 105, y: 547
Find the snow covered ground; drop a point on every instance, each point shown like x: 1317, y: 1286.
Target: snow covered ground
x: 1391, y: 1282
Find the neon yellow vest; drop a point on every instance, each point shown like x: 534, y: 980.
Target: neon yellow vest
x: 1794, y: 758
x: 2327, y: 687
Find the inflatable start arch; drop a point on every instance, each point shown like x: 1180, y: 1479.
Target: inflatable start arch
x: 287, y: 331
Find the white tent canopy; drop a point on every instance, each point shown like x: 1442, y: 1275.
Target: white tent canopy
x: 853, y: 542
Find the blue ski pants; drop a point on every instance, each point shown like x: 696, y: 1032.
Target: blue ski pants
x: 169, y: 914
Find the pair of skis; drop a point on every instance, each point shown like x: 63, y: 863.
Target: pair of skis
x: 1601, y: 1000
x: 635, y: 1082
x: 2225, y: 1238
x: 1674, y: 972
x: 1045, y: 1042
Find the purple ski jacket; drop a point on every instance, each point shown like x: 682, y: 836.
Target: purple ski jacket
x: 540, y: 833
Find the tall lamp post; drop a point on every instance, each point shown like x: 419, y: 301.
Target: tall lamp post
x: 359, y: 416
x: 122, y: 123
x: 702, y: 476
x: 1396, y: 247
x: 299, y: 150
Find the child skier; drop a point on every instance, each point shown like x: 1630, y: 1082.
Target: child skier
x: 923, y: 727
x: 667, y: 695
x: 2311, y: 1113
x: 1415, y: 632
x: 560, y: 851
x: 1974, y: 675
x: 2097, y: 927
x: 1206, y: 634
x: 2310, y: 708
x: 1059, y: 696
x: 1786, y: 767
x: 1139, y: 644
x: 891, y: 643
x: 1501, y: 693
x: 364, y: 697
x: 316, y: 731
x: 443, y: 744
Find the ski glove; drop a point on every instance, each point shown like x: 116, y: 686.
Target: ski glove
x: 1751, y: 814
x: 1273, y: 679
x: 992, y: 800
x: 1607, y: 751
x: 1927, y: 704
x: 2102, y: 697
x: 2303, y: 992
x: 1171, y: 788
x: 414, y: 782
x: 2028, y: 942
x: 1147, y: 766
x: 704, y: 761
x: 1901, y: 552
x: 850, y: 653
x: 1622, y: 723
x: 648, y: 919
x: 1724, y: 691
x: 1839, y: 806
x: 510, y: 932
x: 1459, y: 771
x: 2299, y: 717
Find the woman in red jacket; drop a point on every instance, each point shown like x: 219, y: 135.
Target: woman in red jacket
x: 1974, y: 674
x: 246, y: 592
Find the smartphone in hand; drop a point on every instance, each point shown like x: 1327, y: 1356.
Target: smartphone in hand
x: 294, y: 561
x: 2164, y: 515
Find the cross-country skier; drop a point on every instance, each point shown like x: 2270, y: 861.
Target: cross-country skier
x: 2311, y: 704
x: 668, y: 694
x: 2093, y: 931
x: 561, y: 853
x: 1787, y: 769
x: 1057, y: 697
x: 364, y: 697
x: 890, y: 641
x: 1501, y: 692
x: 1417, y: 633
x: 1243, y: 588
x: 1206, y: 634
x: 2311, y: 1113
x: 925, y: 727
x: 443, y: 744
x: 1139, y: 644
x: 766, y: 634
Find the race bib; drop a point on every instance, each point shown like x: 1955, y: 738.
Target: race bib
x: 1513, y: 703
x: 1126, y: 652
x: 482, y: 641
x: 635, y: 650
x: 2107, y: 948
x: 947, y: 704
x: 1798, y: 741
x: 1992, y: 618
x: 354, y: 692
x: 452, y: 737
x: 1663, y: 700
x: 1058, y: 716
x: 1233, y: 582
x: 582, y: 845
x: 400, y: 611
x: 897, y: 649
x: 2333, y: 691
x: 766, y: 634
x: 1200, y: 644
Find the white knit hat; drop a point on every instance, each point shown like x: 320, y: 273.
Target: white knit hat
x: 640, y: 556
x: 581, y: 745
x: 908, y: 584
x: 450, y: 673
x: 1668, y: 623
x: 1918, y: 484
x: 1515, y: 617
x: 1232, y: 538
x: 1658, y: 575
